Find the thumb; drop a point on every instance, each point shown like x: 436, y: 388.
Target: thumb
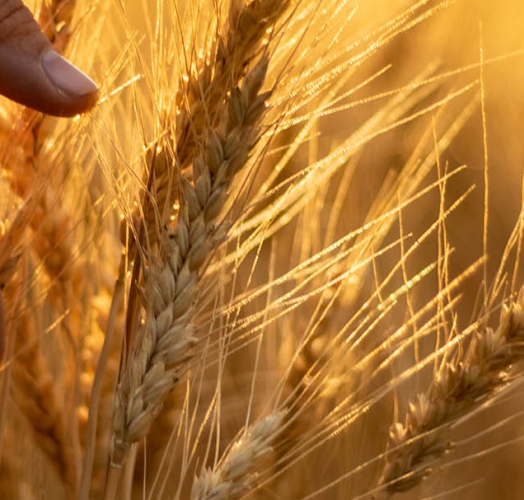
x: 34, y: 74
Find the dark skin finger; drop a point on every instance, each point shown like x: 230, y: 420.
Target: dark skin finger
x: 32, y: 73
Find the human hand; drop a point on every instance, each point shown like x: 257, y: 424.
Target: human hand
x: 35, y: 75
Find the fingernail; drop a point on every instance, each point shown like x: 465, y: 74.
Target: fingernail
x: 65, y: 76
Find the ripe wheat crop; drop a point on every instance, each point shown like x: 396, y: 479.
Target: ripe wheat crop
x: 280, y: 258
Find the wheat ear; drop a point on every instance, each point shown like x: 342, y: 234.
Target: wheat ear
x: 200, y: 99
x: 239, y: 470
x: 164, y: 338
x: 33, y: 385
x: 461, y: 385
x: 31, y: 176
x: 247, y: 26
x: 34, y: 393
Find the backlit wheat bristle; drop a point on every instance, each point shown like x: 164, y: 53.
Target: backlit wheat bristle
x: 31, y: 176
x: 55, y: 19
x: 31, y: 179
x: 200, y: 99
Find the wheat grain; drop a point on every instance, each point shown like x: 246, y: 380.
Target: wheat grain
x: 202, y: 92
x: 43, y: 221
x: 247, y: 26
x: 37, y: 181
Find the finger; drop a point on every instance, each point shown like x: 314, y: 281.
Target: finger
x: 32, y: 73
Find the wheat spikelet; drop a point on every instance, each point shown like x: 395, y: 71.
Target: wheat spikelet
x: 247, y: 25
x: 42, y: 224
x: 33, y: 386
x: 37, y: 181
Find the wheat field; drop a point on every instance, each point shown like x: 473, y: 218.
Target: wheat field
x: 280, y: 258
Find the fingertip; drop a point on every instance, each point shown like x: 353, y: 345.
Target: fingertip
x: 46, y: 83
x: 79, y: 91
x: 32, y: 73
x: 70, y: 105
x: 65, y: 76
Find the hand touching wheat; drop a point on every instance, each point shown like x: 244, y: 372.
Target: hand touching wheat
x: 33, y: 73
